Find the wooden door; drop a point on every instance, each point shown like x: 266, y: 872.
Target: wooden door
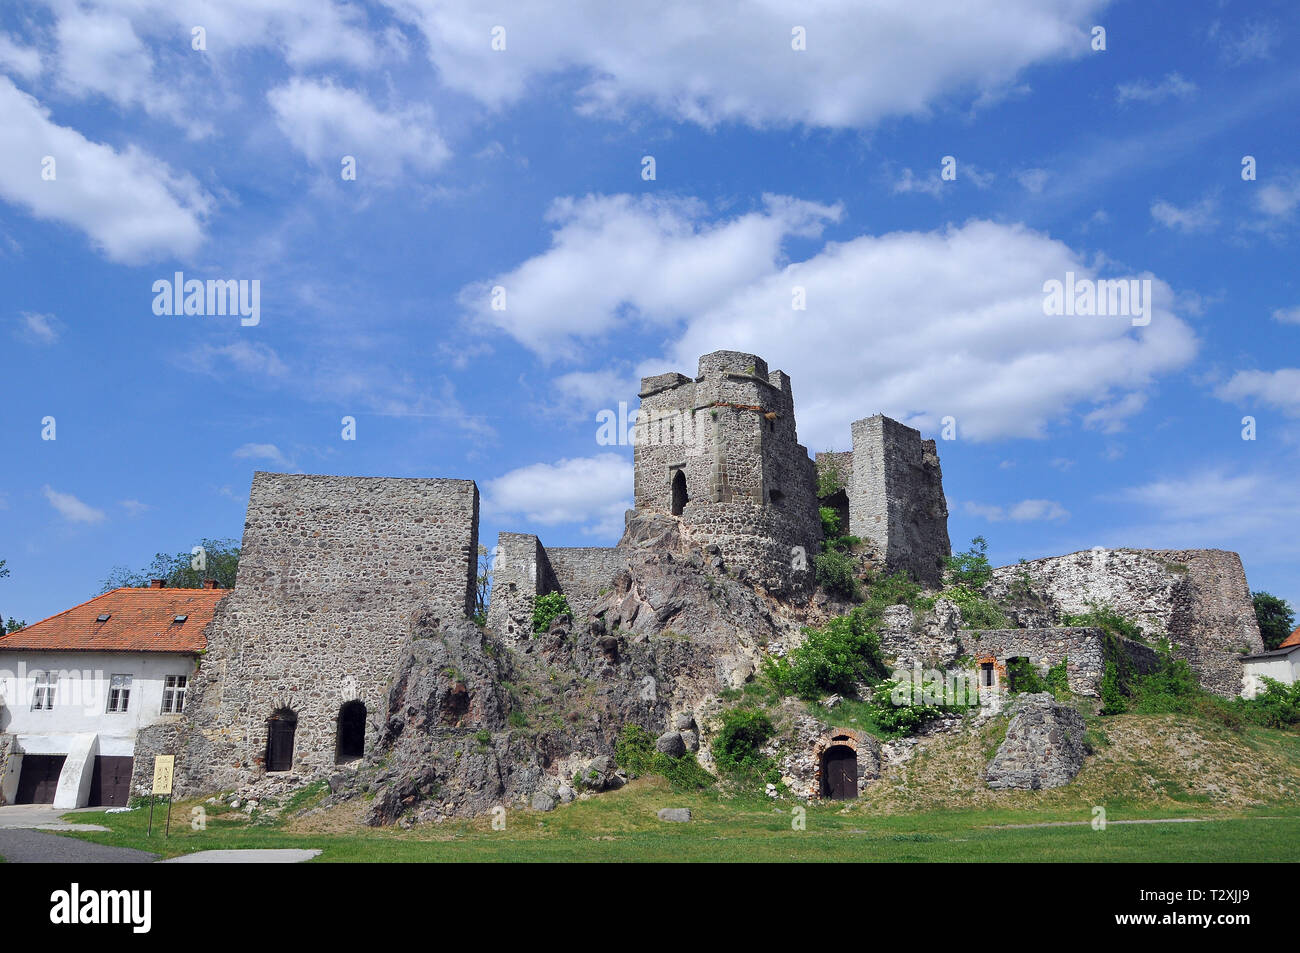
x: 840, y: 773
x: 279, y: 741
x: 110, y: 782
x: 39, y: 778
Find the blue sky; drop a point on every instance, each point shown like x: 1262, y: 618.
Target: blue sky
x: 522, y: 168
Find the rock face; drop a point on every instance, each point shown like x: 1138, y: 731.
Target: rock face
x: 1044, y: 746
x: 1198, y: 599
x: 474, y: 720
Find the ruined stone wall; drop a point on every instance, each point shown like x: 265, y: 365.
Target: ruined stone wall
x: 164, y: 737
x: 584, y: 573
x: 750, y: 485
x: 896, y: 498
x: 333, y: 570
x: 1198, y: 599
x: 8, y: 746
x: 520, y: 572
x: 1082, y: 648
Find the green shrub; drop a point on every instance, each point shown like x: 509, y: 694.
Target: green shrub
x: 972, y: 567
x: 635, y: 753
x: 1058, y: 679
x: 897, y: 589
x: 1023, y: 677
x: 737, y: 746
x: 1113, y: 699
x: 834, y: 572
x: 1100, y: 616
x: 833, y: 658
x: 976, y: 611
x: 897, y: 720
x: 1277, y: 706
x: 547, y: 608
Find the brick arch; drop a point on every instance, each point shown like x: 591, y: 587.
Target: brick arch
x: 835, y: 738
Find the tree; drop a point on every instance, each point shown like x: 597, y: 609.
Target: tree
x: 217, y: 559
x: 1275, y: 616
x: 482, y: 586
x: 972, y: 567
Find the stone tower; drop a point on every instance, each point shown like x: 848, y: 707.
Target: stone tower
x: 896, y: 498
x: 720, y: 451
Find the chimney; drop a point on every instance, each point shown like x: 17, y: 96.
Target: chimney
x: 156, y: 583
x: 210, y: 584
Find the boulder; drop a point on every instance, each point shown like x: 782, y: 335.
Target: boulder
x: 671, y: 743
x: 1044, y: 746
x: 675, y: 815
x: 543, y: 801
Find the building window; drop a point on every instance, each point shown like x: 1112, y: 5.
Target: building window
x: 174, y: 694
x: 679, y: 497
x: 43, y: 693
x: 119, y: 692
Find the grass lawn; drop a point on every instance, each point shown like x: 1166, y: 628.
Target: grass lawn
x: 622, y: 826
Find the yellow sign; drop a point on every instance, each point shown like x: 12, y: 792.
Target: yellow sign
x: 164, y: 766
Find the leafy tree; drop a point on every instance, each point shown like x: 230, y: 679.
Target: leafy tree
x: 13, y: 626
x: 833, y: 658
x: 547, y: 608
x: 218, y: 560
x: 482, y: 586
x: 971, y: 568
x: 1276, y: 618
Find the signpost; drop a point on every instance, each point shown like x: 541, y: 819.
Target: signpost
x: 164, y: 769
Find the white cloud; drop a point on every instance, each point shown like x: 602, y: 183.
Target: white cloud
x: 326, y: 122
x: 24, y: 61
x: 71, y: 508
x: 1032, y: 180
x: 130, y: 205
x: 134, y: 507
x: 41, y: 329
x: 248, y: 357
x: 263, y: 451
x: 734, y: 60
x: 657, y: 257
x: 1192, y: 218
x: 1144, y: 91
x: 1287, y: 315
x: 592, y: 492
x: 1026, y: 511
x: 1278, y: 197
x: 1280, y: 389
x: 1112, y: 415
x: 1257, y: 513
x: 1254, y: 41
x: 917, y: 325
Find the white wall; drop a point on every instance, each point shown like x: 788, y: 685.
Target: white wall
x: 80, y: 725
x: 1281, y: 668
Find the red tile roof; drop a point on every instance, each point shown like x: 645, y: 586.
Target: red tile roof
x: 1292, y: 639
x: 139, y: 620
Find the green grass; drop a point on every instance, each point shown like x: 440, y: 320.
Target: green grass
x: 621, y: 826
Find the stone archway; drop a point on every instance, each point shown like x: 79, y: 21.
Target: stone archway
x: 838, y: 770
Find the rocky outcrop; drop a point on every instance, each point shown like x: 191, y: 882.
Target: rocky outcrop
x: 1198, y: 599
x: 1044, y: 746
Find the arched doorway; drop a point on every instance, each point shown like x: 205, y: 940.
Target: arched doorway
x: 839, y: 770
x: 280, y: 729
x: 680, y: 498
x: 351, y: 742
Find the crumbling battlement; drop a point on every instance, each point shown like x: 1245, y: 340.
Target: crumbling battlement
x: 523, y: 569
x: 332, y: 572
x: 1198, y: 599
x: 723, y: 455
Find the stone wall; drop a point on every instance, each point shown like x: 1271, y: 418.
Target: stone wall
x: 520, y: 572
x: 163, y: 737
x: 750, y: 486
x: 584, y: 574
x: 1198, y: 599
x: 8, y: 745
x: 1082, y: 648
x: 332, y: 573
x: 896, y: 498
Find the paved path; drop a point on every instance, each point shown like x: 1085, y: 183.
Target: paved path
x: 277, y: 856
x: 18, y: 846
x: 41, y: 817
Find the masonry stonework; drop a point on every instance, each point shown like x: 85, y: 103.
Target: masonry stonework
x: 1198, y: 599
x: 332, y: 573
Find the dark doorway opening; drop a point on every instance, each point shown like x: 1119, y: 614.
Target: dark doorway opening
x: 280, y: 728
x: 39, y: 778
x: 986, y: 674
x: 680, y: 499
x: 110, y: 782
x: 840, y: 773
x: 351, y: 743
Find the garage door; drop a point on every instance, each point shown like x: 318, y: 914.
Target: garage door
x: 110, y: 784
x: 39, y: 778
